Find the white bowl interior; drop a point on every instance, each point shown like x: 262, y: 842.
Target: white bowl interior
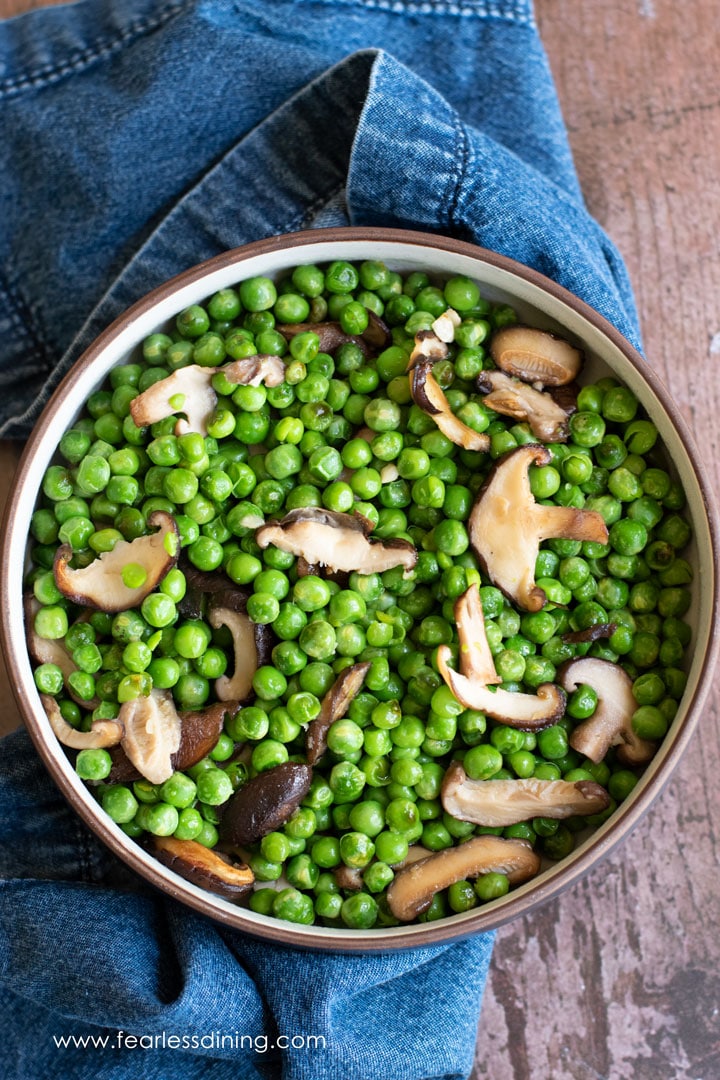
x: 534, y: 306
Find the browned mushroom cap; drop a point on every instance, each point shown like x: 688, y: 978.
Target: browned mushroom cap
x: 377, y: 333
x: 527, y: 712
x: 548, y: 421
x: 103, y: 733
x: 535, y: 356
x: 428, y: 395
x: 611, y: 723
x: 100, y: 584
x: 253, y: 370
x: 413, y: 887
x: 152, y: 734
x: 265, y: 803
x: 238, y: 685
x: 506, y: 802
x: 337, y: 540
x: 590, y: 633
x: 348, y: 877
x: 506, y: 526
x: 331, y: 335
x: 334, y: 706
x: 203, y: 867
x: 188, y: 390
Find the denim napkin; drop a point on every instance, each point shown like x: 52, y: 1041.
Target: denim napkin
x: 139, y: 139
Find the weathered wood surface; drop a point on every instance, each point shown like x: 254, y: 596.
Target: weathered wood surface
x: 619, y: 979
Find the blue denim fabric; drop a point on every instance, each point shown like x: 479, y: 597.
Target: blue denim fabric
x: 140, y: 138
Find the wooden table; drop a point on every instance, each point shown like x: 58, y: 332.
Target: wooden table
x: 620, y: 978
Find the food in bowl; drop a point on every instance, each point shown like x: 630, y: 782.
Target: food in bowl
x: 356, y: 601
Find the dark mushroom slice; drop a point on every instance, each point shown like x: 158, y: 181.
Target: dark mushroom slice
x: 377, y: 333
x: 611, y: 723
x: 335, y: 704
x: 203, y: 867
x: 188, y: 390
x: 498, y: 803
x: 102, y: 734
x: 348, y: 877
x: 152, y: 728
x: 265, y: 803
x: 412, y: 890
x: 535, y: 356
x: 548, y: 421
x: 331, y: 335
x: 428, y: 395
x: 591, y: 633
x: 337, y: 540
x: 100, y: 584
x: 471, y: 685
x: 254, y: 370
x: 506, y: 526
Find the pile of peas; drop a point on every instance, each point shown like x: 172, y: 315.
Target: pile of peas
x: 271, y: 450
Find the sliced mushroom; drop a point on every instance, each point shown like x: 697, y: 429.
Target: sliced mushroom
x: 52, y: 651
x: 152, y: 734
x: 413, y: 887
x: 100, y: 584
x: 591, y: 633
x: 253, y: 370
x: 348, y: 877
x: 428, y: 346
x: 337, y: 540
x: 188, y: 390
x: 265, y: 803
x: 199, y: 731
x: 331, y: 335
x: 377, y: 333
x: 506, y: 802
x: 547, y: 420
x: 335, y: 704
x: 471, y: 686
x: 238, y: 685
x: 102, y: 734
x: 535, y: 356
x: 506, y: 526
x: 204, y: 867
x: 611, y: 723
x: 428, y: 395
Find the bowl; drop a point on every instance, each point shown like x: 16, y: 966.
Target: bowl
x: 539, y: 302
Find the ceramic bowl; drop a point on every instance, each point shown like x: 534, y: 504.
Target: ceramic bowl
x: 539, y: 302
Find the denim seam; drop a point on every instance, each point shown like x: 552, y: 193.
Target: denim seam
x: 308, y: 213
x: 52, y: 73
x: 464, y: 8
x: 462, y: 144
x: 24, y: 323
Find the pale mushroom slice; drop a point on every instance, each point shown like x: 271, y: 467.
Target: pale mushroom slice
x: 611, y: 723
x: 237, y: 686
x: 428, y: 346
x: 337, y: 540
x: 498, y: 803
x: 472, y: 685
x: 188, y: 390
x: 411, y: 891
x: 102, y: 734
x: 547, y: 420
x: 335, y: 704
x: 254, y: 370
x: 204, y: 867
x: 535, y: 356
x: 153, y: 730
x: 506, y: 526
x: 100, y: 584
x: 428, y: 395
x: 445, y: 325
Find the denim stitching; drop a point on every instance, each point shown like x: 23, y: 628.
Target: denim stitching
x: 308, y: 212
x: 463, y: 151
x: 21, y: 319
x: 465, y: 8
x: 50, y: 73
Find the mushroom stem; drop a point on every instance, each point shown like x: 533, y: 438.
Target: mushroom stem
x: 102, y: 734
x: 611, y: 723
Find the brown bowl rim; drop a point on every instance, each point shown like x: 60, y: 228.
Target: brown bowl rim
x: 486, y: 918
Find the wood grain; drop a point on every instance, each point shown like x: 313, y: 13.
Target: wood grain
x: 620, y: 978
